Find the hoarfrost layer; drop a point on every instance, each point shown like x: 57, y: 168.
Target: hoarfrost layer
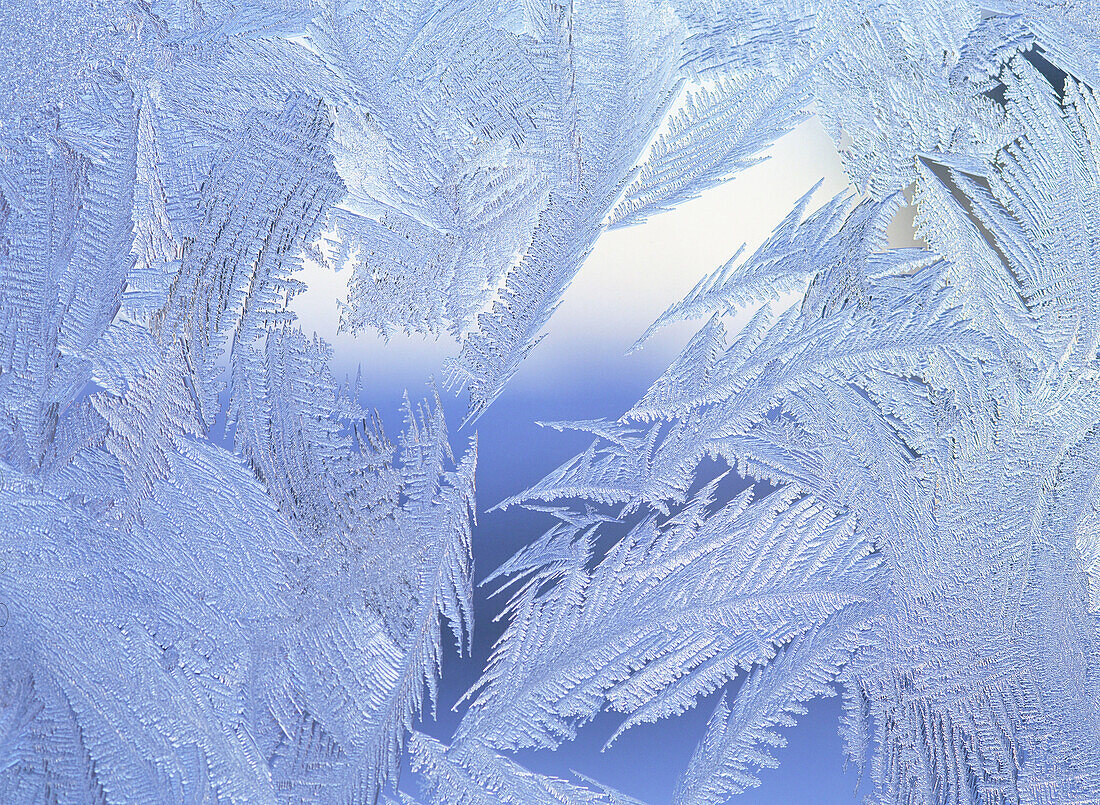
x: 254, y: 612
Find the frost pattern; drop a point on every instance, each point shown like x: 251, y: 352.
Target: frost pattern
x: 188, y: 621
x: 924, y: 416
x: 221, y: 582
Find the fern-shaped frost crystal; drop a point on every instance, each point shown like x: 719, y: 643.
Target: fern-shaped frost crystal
x: 221, y: 582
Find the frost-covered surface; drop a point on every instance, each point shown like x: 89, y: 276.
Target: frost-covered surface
x: 222, y: 582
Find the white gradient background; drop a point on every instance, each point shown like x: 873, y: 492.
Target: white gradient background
x: 630, y: 278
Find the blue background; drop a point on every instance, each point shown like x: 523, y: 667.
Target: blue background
x: 513, y: 453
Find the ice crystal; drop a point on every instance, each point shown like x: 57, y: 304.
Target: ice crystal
x: 222, y: 582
